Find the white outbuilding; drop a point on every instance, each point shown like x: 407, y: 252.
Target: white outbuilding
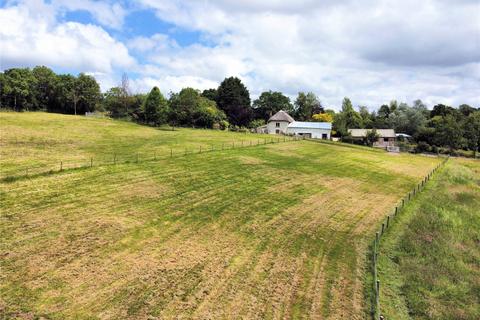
x: 282, y: 123
x: 315, y: 130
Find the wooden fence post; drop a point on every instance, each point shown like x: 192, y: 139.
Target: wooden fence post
x: 200, y: 151
x: 91, y: 162
x: 396, y: 210
x: 388, y: 221
x: 383, y: 227
x: 61, y: 165
x: 378, y: 296
x: 154, y: 155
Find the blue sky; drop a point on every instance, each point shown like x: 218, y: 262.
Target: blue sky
x: 372, y: 51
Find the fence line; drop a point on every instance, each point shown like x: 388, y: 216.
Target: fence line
x: 376, y: 313
x: 114, y: 158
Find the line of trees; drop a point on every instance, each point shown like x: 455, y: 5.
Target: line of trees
x: 41, y: 89
x: 229, y: 105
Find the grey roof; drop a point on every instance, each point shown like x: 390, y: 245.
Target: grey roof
x: 281, y: 116
x: 362, y: 133
x: 311, y: 125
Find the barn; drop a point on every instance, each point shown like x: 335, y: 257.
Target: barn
x: 315, y: 130
x: 282, y: 123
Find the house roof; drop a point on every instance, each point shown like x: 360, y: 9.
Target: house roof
x: 281, y: 116
x: 311, y: 125
x: 362, y: 133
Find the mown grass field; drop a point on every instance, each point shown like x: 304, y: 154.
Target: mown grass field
x: 267, y: 232
x: 38, y: 141
x: 429, y: 260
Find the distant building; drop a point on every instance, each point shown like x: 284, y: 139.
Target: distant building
x: 278, y: 123
x: 316, y: 130
x: 386, y: 137
x: 282, y: 123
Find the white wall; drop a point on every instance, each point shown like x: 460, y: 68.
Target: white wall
x: 271, y: 127
x: 316, y: 133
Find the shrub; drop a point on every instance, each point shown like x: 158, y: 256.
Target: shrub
x: 422, y: 146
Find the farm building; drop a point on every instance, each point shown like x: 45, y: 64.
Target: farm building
x: 283, y: 123
x: 316, y: 130
x: 386, y: 137
x: 279, y: 122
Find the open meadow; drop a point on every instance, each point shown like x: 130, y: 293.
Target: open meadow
x: 429, y: 261
x: 263, y: 232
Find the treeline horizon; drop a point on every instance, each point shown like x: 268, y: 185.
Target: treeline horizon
x: 230, y: 106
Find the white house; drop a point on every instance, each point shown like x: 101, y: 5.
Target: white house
x: 279, y: 122
x: 282, y: 123
x: 316, y: 130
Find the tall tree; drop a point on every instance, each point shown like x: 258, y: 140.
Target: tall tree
x: 86, y: 93
x: 448, y: 132
x: 407, y: 119
x: 188, y: 107
x: 346, y: 119
x: 306, y: 105
x: 269, y: 103
x: 234, y: 100
x: 46, y: 82
x: 366, y: 116
x: 471, y: 127
x: 155, y: 107
x: 18, y: 88
x: 112, y: 101
x: 125, y: 92
x: 211, y: 94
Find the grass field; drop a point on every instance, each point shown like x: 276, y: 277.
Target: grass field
x: 39, y: 141
x: 273, y: 231
x: 429, y: 261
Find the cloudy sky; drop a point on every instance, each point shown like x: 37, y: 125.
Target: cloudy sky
x: 371, y: 50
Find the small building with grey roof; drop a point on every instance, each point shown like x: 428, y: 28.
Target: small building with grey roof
x: 386, y: 137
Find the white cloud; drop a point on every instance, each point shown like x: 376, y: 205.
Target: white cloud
x: 30, y: 35
x: 108, y: 14
x: 372, y: 51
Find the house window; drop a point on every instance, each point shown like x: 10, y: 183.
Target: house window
x: 277, y: 131
x: 324, y: 136
x: 277, y: 124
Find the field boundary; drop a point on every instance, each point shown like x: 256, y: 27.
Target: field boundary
x: 116, y: 158
x: 374, y: 248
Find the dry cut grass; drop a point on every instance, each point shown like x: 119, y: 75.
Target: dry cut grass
x: 270, y: 232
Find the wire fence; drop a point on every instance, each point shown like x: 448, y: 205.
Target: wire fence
x: 31, y: 170
x: 376, y: 310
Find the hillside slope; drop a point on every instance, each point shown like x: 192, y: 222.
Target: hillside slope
x: 38, y: 141
x: 430, y: 259
x: 272, y: 231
